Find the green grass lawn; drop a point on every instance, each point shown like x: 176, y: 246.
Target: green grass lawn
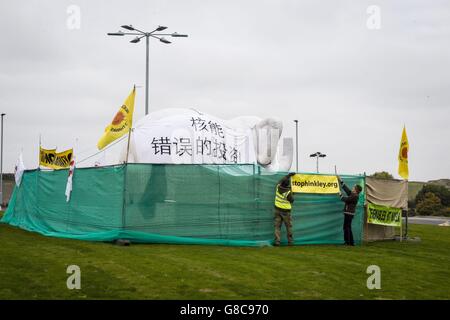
x: 34, y: 267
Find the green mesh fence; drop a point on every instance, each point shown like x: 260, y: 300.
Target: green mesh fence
x: 179, y: 204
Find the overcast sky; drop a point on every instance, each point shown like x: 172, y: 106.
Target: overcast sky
x: 351, y: 87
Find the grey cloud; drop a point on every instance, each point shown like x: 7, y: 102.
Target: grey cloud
x: 351, y: 88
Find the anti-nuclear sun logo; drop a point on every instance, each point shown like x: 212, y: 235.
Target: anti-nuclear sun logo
x: 118, y: 118
x: 405, y: 153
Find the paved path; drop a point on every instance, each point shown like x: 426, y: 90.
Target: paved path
x: 428, y: 220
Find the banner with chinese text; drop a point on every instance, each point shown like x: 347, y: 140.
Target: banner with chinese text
x: 191, y: 139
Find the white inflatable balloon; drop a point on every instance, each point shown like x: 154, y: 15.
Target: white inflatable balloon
x: 188, y: 136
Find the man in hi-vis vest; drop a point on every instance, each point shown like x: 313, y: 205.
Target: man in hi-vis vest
x: 283, y: 206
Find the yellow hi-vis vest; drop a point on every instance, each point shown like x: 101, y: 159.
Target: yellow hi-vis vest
x: 281, y: 200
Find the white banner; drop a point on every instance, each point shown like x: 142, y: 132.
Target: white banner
x: 197, y: 139
x: 19, y: 169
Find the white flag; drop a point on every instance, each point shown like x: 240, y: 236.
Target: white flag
x: 69, y: 179
x: 18, y: 170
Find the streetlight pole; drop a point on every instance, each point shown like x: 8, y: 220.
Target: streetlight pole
x: 146, y: 73
x: 296, y: 145
x: 317, y: 155
x: 1, y: 165
x: 139, y: 35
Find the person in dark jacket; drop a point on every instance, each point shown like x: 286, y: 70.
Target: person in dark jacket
x: 283, y: 207
x: 351, y: 200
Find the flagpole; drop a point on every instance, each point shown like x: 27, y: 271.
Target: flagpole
x: 365, y: 214
x: 39, y: 153
x: 407, y: 211
x: 37, y: 175
x: 128, y: 145
x: 124, y: 192
x: 129, y: 132
x: 403, y: 171
x: 1, y: 165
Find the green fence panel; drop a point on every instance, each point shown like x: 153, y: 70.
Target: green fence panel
x: 182, y: 204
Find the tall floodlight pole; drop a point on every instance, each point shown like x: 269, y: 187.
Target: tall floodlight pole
x: 147, y: 63
x: 141, y: 34
x: 296, y: 145
x: 317, y: 155
x: 1, y: 165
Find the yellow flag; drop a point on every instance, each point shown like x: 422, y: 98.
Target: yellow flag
x: 403, y: 156
x: 121, y: 124
x: 46, y: 157
x: 56, y: 160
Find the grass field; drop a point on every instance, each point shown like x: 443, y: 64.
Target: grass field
x: 34, y: 267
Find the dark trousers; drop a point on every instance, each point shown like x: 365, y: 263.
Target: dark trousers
x: 280, y: 218
x: 348, y: 235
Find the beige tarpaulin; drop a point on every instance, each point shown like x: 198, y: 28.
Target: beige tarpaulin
x: 386, y: 192
x: 391, y: 193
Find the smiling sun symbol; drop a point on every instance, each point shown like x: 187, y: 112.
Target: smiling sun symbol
x: 118, y: 118
x: 405, y: 153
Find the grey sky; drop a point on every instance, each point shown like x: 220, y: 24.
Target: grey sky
x: 351, y: 88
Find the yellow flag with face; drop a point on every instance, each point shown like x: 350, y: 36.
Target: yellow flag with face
x: 121, y: 124
x: 403, y: 170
